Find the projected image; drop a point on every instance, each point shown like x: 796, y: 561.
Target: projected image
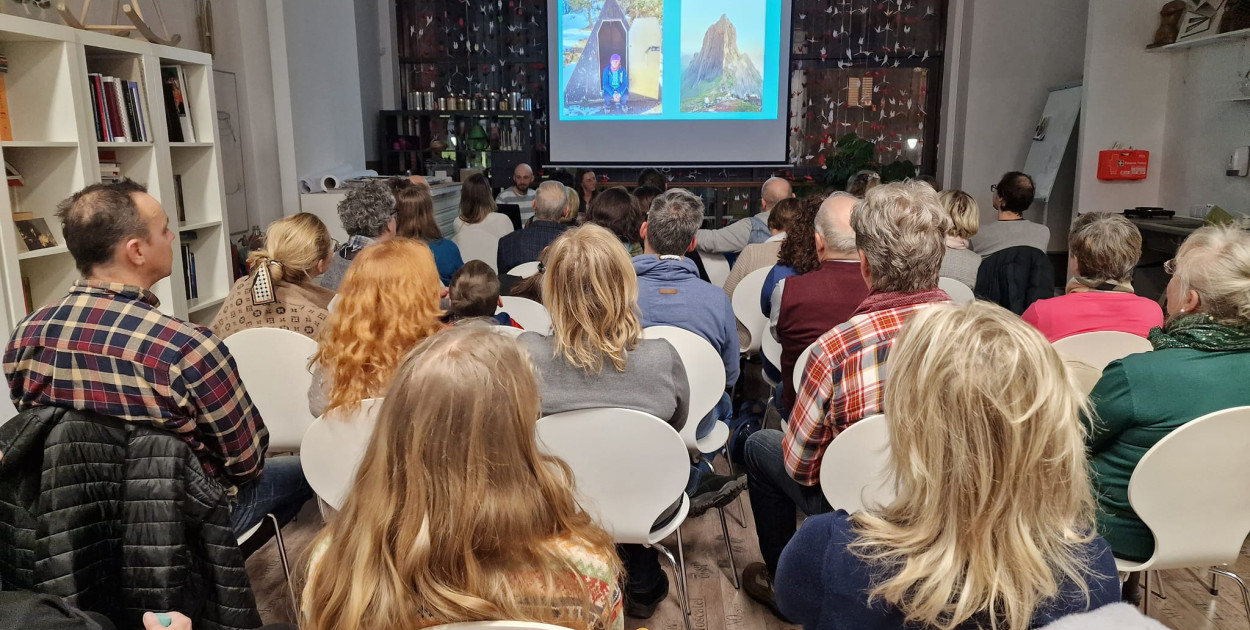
x: 722, y: 54
x: 612, y: 57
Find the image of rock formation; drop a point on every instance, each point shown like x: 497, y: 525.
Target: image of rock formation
x: 720, y: 77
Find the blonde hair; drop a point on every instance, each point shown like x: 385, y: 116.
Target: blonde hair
x: 388, y: 301
x: 994, y: 504
x: 963, y: 211
x: 1214, y: 262
x: 590, y: 288
x: 294, y: 246
x: 575, y: 203
x: 453, y: 504
x: 901, y: 228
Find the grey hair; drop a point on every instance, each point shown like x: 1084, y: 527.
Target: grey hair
x: 550, y: 201
x: 835, y: 239
x: 1214, y: 262
x: 901, y: 229
x: 672, y: 221
x: 1106, y: 246
x: 774, y: 190
x: 366, y: 209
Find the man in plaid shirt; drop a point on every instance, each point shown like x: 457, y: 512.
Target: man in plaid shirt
x: 106, y: 348
x: 900, y: 232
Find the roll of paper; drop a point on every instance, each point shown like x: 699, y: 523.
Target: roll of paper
x: 315, y: 182
x: 332, y: 181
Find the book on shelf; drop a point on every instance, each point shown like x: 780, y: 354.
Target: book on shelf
x: 178, y: 200
x: 110, y: 168
x: 118, y: 108
x: 6, y: 126
x: 11, y: 174
x: 187, y: 273
x: 35, y: 234
x: 177, y: 104
x: 30, y: 304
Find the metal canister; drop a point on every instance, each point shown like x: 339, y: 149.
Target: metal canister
x: 442, y: 102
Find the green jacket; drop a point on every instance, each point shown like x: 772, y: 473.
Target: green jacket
x: 1139, y: 400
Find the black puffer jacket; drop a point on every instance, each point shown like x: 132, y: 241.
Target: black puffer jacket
x: 1015, y: 278
x: 117, y: 519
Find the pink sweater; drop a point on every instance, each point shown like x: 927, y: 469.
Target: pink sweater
x: 1091, y: 311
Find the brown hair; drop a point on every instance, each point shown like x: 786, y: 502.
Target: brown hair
x: 474, y: 291
x: 476, y: 202
x: 783, y: 214
x: 617, y: 210
x: 414, y: 210
x: 798, y: 251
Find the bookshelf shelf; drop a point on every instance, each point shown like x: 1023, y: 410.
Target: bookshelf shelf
x: 198, y: 225
x: 190, y: 145
x: 201, y: 305
x: 1231, y: 36
x: 29, y: 144
x: 123, y: 145
x: 40, y: 253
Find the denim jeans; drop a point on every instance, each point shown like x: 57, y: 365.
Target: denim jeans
x: 280, y: 490
x: 774, y: 495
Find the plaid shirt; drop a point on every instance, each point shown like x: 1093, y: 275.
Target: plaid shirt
x: 105, y: 348
x: 843, y: 383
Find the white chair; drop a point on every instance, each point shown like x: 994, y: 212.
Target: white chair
x: 1098, y: 349
x: 478, y: 243
x: 800, y: 366
x: 855, y: 469
x: 498, y: 625
x: 524, y: 270
x: 746, y: 302
x: 273, y: 364
x: 333, y: 448
x: 528, y: 313
x: 716, y: 266
x: 959, y: 292
x: 628, y: 467
x: 1190, y: 490
x: 771, y: 349
x: 705, y: 370
x: 510, y: 331
x: 334, y: 302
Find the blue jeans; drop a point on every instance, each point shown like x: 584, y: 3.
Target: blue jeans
x: 607, y: 99
x: 774, y: 495
x: 280, y: 490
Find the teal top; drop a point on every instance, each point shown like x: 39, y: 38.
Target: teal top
x: 1139, y: 400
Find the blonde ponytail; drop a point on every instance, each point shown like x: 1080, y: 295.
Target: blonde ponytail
x: 294, y: 246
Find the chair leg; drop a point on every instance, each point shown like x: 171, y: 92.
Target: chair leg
x: 729, y: 548
x: 1245, y: 594
x: 742, y: 512
x: 286, y: 565
x: 1145, y: 596
x: 685, y: 583
x: 1163, y: 592
x: 681, y: 589
x: 1214, y: 590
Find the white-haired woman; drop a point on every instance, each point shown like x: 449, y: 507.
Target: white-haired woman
x: 993, y: 525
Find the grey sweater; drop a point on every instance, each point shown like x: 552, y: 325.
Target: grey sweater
x: 1003, y: 234
x: 654, y: 381
x: 961, y: 265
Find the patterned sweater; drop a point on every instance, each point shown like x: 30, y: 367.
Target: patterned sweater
x: 300, y: 308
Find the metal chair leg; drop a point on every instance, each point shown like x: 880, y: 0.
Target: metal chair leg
x: 1163, y: 593
x: 1145, y: 596
x: 681, y: 589
x: 729, y: 548
x: 1245, y: 594
x: 286, y: 565
x: 685, y: 583
x: 742, y: 511
x: 1214, y: 590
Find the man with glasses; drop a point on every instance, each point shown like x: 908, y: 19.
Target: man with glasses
x: 368, y: 216
x: 1013, y: 194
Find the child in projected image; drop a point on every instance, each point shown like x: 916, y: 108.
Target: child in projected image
x: 615, y: 85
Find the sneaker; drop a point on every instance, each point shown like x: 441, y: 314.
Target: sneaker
x: 716, y: 491
x: 643, y: 605
x: 758, y: 584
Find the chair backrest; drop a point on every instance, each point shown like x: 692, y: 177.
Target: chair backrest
x: 705, y: 370
x: 746, y: 302
x: 716, y: 266
x: 629, y: 466
x: 512, y: 211
x: 770, y: 348
x: 959, y: 292
x: 273, y: 364
x: 478, y: 243
x: 855, y: 470
x: 801, y: 364
x: 334, y: 302
x: 498, y: 625
x: 528, y: 313
x: 1190, y: 489
x: 333, y: 448
x: 510, y: 331
x: 524, y: 270
x: 1097, y: 349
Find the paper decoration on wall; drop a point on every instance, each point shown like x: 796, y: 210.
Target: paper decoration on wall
x: 1201, y: 18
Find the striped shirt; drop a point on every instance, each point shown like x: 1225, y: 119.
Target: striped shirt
x: 106, y: 348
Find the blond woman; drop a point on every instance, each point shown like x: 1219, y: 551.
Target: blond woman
x: 455, y: 515
x: 388, y: 302
x: 993, y: 524
x: 278, y: 291
x: 959, y: 262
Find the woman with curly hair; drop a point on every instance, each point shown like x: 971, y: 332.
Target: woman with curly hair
x: 617, y: 210
x: 388, y: 302
x: 798, y: 254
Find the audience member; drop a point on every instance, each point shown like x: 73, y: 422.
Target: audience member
x: 806, y: 306
x: 368, y: 216
x: 762, y: 255
x: 931, y: 181
x: 474, y: 294
x: 106, y: 348
x: 900, y: 234
x: 414, y: 218
x: 860, y: 183
x: 573, y: 216
x: 587, y: 183
x: 455, y: 514
x: 993, y: 524
x: 646, y: 196
x: 960, y: 263
x: 1200, y: 359
x: 797, y: 254
x: 596, y: 357
x: 279, y: 291
x: 520, y: 193
x: 477, y: 209
x: 522, y: 246
x: 617, y: 211
x: 1103, y: 248
x: 653, y: 178
x: 388, y: 303
x: 736, y: 236
x: 1013, y: 194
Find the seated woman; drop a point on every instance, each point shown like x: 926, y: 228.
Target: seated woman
x: 414, y: 218
x: 993, y: 524
x: 388, y: 302
x: 1199, y: 365
x: 455, y: 515
x: 960, y: 263
x: 760, y: 255
x: 278, y: 291
x: 477, y: 208
x: 797, y: 254
x: 1102, y: 251
x: 616, y: 210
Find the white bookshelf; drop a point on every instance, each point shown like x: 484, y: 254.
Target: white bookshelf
x: 55, y: 149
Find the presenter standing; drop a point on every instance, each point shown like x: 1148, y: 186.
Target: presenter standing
x: 615, y: 85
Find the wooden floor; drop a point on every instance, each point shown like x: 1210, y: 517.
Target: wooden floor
x: 714, y: 602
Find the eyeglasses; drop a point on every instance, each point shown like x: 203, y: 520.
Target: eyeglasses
x: 1169, y: 267
x: 993, y: 188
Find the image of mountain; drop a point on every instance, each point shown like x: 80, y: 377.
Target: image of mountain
x: 720, y: 77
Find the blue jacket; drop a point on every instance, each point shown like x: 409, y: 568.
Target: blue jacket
x: 446, y: 258
x: 670, y: 293
x: 620, y: 78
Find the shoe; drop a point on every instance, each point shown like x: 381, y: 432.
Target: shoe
x: 716, y: 491
x: 758, y: 584
x: 642, y: 605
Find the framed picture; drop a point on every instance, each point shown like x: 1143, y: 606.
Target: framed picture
x: 1201, y: 19
x: 35, y: 234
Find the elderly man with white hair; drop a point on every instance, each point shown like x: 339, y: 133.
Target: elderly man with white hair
x: 551, y: 203
x: 520, y: 193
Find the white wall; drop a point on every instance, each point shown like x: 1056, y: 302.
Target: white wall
x: 369, y: 50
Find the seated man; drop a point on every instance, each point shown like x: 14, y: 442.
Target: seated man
x: 522, y: 246
x: 368, y: 216
x: 735, y: 237
x: 615, y: 85
x: 1013, y: 194
x: 900, y: 234
x: 520, y: 193
x: 106, y: 348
